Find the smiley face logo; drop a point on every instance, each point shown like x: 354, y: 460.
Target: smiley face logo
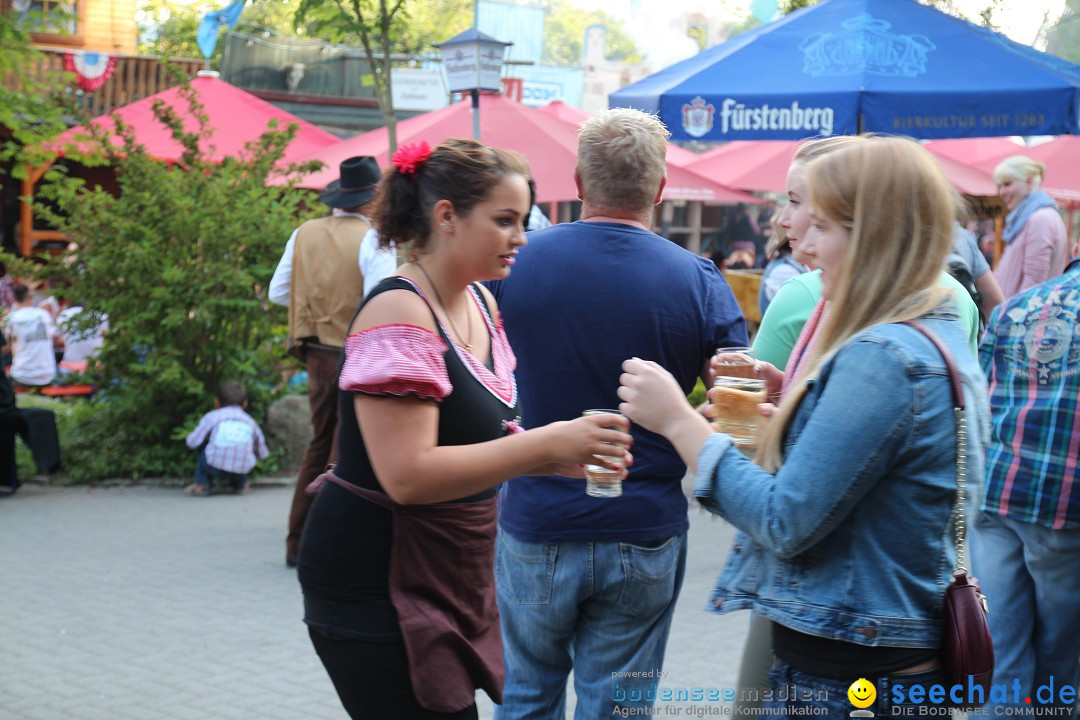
x: 862, y: 693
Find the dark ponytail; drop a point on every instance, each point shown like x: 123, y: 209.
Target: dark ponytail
x: 461, y: 171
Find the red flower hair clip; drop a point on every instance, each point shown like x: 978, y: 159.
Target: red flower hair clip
x: 408, y: 158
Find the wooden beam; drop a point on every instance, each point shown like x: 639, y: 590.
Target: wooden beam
x: 693, y: 243
x: 26, y: 217
x: 26, y: 209
x: 999, y: 241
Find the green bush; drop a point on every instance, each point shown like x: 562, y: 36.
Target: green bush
x: 92, y: 449
x: 697, y: 395
x: 179, y: 260
x: 89, y: 446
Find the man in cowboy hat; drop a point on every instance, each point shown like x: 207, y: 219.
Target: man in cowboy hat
x: 320, y: 281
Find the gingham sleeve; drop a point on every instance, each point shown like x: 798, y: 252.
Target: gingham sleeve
x: 396, y: 360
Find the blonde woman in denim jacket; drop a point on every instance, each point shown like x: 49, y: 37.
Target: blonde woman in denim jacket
x: 846, y: 522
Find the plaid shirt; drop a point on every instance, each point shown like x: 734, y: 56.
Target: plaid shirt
x: 234, y: 439
x: 1031, y: 356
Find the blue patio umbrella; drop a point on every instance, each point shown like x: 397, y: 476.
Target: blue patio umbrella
x: 847, y: 66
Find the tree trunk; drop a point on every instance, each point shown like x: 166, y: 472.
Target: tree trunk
x: 386, y: 101
x: 386, y: 106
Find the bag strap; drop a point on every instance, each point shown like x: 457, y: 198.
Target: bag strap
x: 957, y: 386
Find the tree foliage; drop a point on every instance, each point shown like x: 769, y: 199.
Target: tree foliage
x: 32, y: 103
x: 168, y: 27
x: 564, y: 34
x: 178, y: 259
x: 377, y: 24
x: 986, y: 15
x: 1063, y: 39
x: 429, y: 22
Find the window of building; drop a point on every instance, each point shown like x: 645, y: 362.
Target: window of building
x: 56, y: 22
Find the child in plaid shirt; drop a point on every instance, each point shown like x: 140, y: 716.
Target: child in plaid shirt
x: 229, y: 442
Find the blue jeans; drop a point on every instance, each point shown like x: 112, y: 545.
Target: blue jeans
x: 799, y: 694
x: 598, y: 608
x: 204, y: 474
x: 1030, y: 575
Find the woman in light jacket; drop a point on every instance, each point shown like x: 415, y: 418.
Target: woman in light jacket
x: 846, y: 537
x: 1035, y: 238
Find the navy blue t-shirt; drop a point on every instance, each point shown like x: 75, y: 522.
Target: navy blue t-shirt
x: 582, y: 298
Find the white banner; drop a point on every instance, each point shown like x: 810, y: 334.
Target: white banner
x: 540, y: 93
x: 418, y: 89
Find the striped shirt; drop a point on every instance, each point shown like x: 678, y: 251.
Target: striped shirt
x: 1031, y: 356
x: 233, y: 440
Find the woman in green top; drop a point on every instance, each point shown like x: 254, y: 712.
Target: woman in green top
x: 796, y: 299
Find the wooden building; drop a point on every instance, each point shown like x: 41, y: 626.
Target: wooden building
x: 106, y: 26
x: 70, y: 31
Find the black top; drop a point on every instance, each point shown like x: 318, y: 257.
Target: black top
x: 838, y: 659
x: 345, y: 547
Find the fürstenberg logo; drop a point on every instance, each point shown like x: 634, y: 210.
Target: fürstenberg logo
x: 734, y: 115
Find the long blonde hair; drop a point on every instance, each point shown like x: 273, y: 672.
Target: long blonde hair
x: 892, y: 196
x: 813, y: 149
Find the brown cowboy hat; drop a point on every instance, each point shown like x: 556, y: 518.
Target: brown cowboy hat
x: 356, y: 185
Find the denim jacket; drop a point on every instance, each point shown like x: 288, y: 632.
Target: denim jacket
x: 853, y: 538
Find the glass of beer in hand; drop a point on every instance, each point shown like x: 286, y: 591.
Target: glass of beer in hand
x: 602, y: 481
x: 735, y: 395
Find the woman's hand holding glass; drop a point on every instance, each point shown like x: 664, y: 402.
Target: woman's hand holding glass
x: 738, y: 389
x: 774, y: 380
x: 588, y: 441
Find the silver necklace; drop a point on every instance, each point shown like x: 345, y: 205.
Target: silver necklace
x: 467, y: 345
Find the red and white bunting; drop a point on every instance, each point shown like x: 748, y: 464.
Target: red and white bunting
x: 91, y: 69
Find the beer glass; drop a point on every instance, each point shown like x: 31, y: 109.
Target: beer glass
x: 602, y: 481
x: 735, y: 395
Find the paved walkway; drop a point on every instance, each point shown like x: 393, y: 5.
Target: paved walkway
x: 142, y: 603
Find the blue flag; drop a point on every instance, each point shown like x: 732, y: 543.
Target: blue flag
x: 212, y: 22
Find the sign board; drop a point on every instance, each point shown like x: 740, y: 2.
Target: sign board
x: 473, y: 65
x: 512, y: 88
x: 540, y: 93
x: 421, y: 90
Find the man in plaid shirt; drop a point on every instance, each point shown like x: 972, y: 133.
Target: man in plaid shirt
x: 228, y: 441
x: 1026, y: 539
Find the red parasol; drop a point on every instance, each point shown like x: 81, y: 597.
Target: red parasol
x: 763, y: 164
x: 548, y: 142
x: 237, y: 117
x: 677, y: 156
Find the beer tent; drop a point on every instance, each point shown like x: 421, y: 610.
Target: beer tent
x: 762, y: 165
x: 547, y: 141
x: 237, y: 118
x: 677, y: 156
x: 847, y: 66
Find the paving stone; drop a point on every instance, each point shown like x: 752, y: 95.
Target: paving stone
x: 142, y: 603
